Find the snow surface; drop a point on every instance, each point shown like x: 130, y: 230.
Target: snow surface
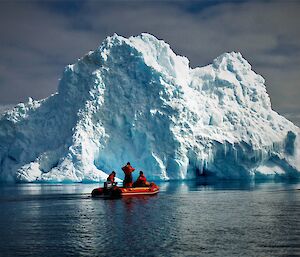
x: 136, y: 100
x: 4, y: 108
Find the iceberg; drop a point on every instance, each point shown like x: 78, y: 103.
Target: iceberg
x: 133, y: 99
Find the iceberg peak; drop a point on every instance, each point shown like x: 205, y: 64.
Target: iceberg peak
x: 232, y: 61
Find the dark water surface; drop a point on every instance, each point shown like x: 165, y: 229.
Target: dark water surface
x: 184, y: 219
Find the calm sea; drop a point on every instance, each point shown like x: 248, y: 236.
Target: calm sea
x: 185, y: 219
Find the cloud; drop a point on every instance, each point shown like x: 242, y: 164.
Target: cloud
x: 40, y: 38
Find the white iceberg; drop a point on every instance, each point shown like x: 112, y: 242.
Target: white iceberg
x: 136, y: 100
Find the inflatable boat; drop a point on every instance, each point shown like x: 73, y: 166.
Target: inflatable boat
x: 113, y: 191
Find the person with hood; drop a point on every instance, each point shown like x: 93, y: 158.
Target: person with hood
x: 110, y: 181
x: 111, y: 177
x: 141, y: 181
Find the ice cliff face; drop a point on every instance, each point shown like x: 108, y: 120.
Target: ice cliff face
x: 136, y: 100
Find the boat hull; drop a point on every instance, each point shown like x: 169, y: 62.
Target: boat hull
x: 139, y: 191
x: 118, y: 192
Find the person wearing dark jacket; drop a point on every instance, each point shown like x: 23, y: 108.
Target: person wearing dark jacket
x: 128, y: 169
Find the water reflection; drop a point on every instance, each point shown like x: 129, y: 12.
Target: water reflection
x: 211, y: 184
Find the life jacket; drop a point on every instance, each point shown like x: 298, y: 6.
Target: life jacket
x: 111, y: 178
x: 142, y: 179
x: 128, y: 169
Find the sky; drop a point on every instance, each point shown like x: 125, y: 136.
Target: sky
x: 39, y: 38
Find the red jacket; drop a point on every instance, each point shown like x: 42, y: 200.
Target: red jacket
x: 141, y: 179
x: 111, y: 178
x: 128, y: 169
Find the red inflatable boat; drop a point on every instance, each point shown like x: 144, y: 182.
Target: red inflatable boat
x: 114, y: 191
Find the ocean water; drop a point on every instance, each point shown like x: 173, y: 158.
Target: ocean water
x: 195, y: 218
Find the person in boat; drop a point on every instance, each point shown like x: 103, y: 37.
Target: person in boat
x: 110, y: 181
x: 141, y: 181
x: 111, y: 177
x: 128, y: 169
